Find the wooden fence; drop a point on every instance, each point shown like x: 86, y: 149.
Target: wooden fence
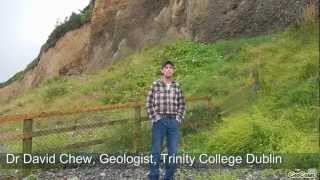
x: 28, y: 132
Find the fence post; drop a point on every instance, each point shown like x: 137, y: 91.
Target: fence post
x: 255, y: 79
x: 137, y: 124
x: 209, y: 104
x: 27, y: 143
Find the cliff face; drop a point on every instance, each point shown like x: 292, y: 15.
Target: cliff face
x: 65, y: 58
x: 118, y: 27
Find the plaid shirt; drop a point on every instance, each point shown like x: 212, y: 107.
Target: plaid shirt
x: 161, y: 101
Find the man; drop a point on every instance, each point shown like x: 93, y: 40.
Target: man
x: 166, y: 109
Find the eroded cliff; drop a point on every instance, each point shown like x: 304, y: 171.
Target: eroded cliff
x: 118, y: 27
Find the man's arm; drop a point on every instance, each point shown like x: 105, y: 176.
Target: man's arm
x: 181, y: 106
x: 149, y: 105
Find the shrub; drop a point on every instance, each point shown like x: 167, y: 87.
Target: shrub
x: 53, y: 88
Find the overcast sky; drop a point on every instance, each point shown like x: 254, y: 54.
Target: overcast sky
x: 25, y: 27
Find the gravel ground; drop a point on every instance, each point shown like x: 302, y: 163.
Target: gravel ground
x: 141, y: 173
x: 99, y: 173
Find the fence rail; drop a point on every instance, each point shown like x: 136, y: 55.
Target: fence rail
x: 22, y: 117
x: 28, y: 132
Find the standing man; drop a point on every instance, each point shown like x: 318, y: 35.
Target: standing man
x: 166, y: 109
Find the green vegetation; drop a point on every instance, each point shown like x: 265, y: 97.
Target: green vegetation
x: 281, y: 117
x: 17, y: 77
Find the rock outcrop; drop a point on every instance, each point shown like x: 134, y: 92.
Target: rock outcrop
x: 119, y: 27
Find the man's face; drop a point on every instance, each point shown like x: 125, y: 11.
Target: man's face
x: 167, y: 71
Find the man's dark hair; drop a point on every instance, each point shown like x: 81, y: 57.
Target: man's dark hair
x: 165, y: 63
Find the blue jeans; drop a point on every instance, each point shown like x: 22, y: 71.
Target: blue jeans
x: 169, y: 127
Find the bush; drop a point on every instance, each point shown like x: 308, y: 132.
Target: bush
x: 53, y: 88
x: 53, y: 92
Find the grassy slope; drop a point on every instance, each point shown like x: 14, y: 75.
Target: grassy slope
x: 282, y: 117
x: 201, y: 69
